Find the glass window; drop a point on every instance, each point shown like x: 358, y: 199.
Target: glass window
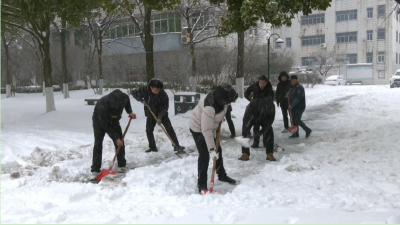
x: 346, y: 15
x: 312, y: 40
x: 369, y: 57
x: 369, y: 35
x: 352, y: 58
x: 381, y: 10
x: 313, y: 19
x: 381, y: 57
x: 369, y: 12
x: 164, y: 26
x: 288, y: 42
x: 381, y: 74
x: 381, y: 34
x: 307, y: 61
x: 346, y: 37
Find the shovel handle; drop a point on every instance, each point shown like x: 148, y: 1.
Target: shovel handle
x: 119, y: 147
x: 290, y: 112
x: 155, y: 117
x: 215, y: 159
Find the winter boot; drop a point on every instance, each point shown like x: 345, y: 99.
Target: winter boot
x: 227, y: 179
x: 202, y: 188
x: 151, y: 150
x: 122, y: 169
x: 244, y: 157
x: 285, y: 131
x: 270, y: 157
x: 94, y: 175
x: 233, y: 135
x: 308, y: 133
x: 295, y: 135
x: 254, y: 145
x: 178, y: 148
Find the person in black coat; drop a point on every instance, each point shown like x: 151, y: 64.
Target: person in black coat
x: 281, y: 99
x: 157, y: 99
x: 106, y: 116
x: 260, y: 89
x: 228, y: 117
x: 260, y: 111
x: 297, y: 105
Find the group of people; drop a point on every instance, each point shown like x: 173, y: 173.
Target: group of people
x: 205, y: 120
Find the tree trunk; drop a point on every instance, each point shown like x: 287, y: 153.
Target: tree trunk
x: 193, y: 77
x: 47, y: 71
x: 64, y: 58
x: 148, y: 44
x: 7, y: 69
x: 99, y: 52
x: 240, y: 65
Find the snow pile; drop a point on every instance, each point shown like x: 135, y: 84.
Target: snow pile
x: 346, y: 172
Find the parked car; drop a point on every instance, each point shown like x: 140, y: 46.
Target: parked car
x: 395, y: 80
x: 335, y: 80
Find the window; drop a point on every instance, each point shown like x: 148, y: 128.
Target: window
x: 203, y: 21
x: 313, y: 19
x: 381, y: 74
x: 381, y: 10
x: 381, y: 57
x: 346, y: 15
x: 369, y: 57
x: 369, y: 35
x: 307, y: 61
x: 370, y: 12
x: 397, y: 36
x: 253, y: 31
x: 164, y: 22
x: 352, y: 58
x: 288, y: 42
x: 381, y: 34
x: 277, y: 45
x: 313, y: 40
x: 346, y: 37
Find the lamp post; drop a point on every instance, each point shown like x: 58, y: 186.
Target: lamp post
x: 278, y: 41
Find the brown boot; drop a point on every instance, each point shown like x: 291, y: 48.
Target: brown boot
x: 270, y: 157
x: 244, y: 157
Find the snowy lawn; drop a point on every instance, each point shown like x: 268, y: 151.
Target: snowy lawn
x: 348, y: 171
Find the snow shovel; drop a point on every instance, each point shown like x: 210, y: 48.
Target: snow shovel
x: 292, y: 129
x: 211, y: 190
x: 106, y: 172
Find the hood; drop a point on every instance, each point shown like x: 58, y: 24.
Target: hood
x: 224, y: 94
x: 117, y: 99
x: 283, y: 74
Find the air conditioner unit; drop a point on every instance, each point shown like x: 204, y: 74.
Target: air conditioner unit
x: 185, y: 37
x: 323, y: 45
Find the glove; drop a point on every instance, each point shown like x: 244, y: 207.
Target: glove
x: 144, y: 103
x: 213, y: 154
x: 290, y: 107
x: 277, y: 104
x: 120, y: 143
x: 132, y: 115
x: 159, y: 121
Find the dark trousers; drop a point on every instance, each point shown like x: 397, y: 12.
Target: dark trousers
x: 99, y: 134
x: 204, y: 158
x: 151, y: 123
x: 268, y: 140
x: 297, y: 120
x: 284, y: 108
x: 228, y: 117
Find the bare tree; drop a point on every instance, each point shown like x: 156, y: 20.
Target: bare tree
x: 324, y: 60
x: 99, y: 21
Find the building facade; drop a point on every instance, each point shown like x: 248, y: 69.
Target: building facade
x: 366, y: 33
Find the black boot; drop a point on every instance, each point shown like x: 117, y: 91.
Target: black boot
x: 178, y: 148
x: 202, y: 187
x: 151, y: 150
x: 227, y: 179
x: 308, y: 133
x: 295, y: 135
x: 254, y: 145
x: 233, y: 135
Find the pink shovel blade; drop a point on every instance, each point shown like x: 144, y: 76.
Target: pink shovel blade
x: 293, y: 129
x: 105, y: 173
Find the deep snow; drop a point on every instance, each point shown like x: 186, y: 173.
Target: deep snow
x: 346, y: 172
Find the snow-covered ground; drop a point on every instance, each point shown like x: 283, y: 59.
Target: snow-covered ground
x: 348, y: 171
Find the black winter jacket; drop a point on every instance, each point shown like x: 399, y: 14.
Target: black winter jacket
x: 282, y: 89
x: 257, y: 92
x: 259, y: 111
x: 297, y: 97
x: 108, y: 112
x: 159, y: 103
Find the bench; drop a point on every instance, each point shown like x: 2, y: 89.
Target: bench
x: 91, y: 101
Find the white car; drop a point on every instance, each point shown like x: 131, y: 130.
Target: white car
x: 335, y: 80
x: 395, y: 77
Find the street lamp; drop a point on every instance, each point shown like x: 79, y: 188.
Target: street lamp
x: 278, y: 41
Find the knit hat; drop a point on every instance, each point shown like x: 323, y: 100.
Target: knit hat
x: 293, y: 77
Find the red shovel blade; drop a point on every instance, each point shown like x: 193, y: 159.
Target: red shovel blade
x: 206, y: 192
x: 105, y: 173
x: 293, y: 129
